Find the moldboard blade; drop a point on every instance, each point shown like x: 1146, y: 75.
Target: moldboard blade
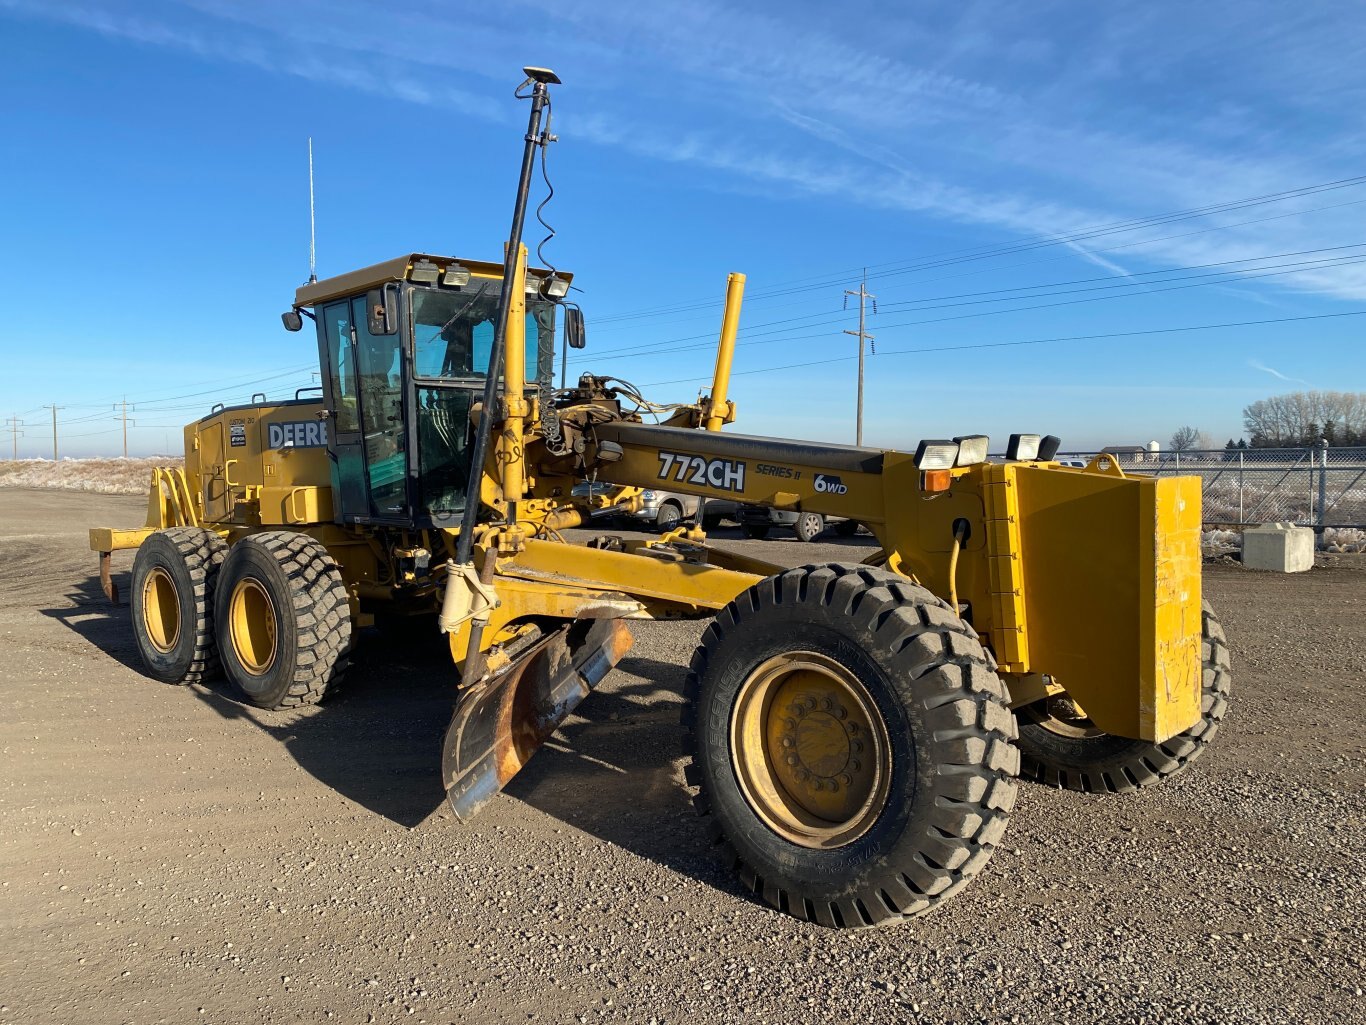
x: 500, y: 722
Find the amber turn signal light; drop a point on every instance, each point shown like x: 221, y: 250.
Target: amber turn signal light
x: 935, y: 480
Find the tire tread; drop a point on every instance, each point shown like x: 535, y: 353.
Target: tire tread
x: 972, y: 734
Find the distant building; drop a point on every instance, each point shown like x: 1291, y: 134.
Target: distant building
x: 1132, y: 453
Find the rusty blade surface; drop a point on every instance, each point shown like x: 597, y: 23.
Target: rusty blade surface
x: 500, y: 722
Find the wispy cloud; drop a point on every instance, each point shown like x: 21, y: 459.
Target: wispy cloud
x: 1255, y: 365
x: 981, y: 116
x: 1096, y: 259
x: 266, y: 53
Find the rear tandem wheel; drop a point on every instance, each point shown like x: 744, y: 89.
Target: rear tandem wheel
x: 282, y: 619
x: 1060, y: 747
x: 174, y: 575
x: 851, y: 745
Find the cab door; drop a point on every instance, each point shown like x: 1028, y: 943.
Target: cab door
x: 362, y: 384
x: 380, y: 380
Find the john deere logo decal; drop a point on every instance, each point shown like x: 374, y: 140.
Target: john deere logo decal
x: 297, y: 434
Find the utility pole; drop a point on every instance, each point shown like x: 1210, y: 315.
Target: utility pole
x: 15, y: 433
x: 54, y: 409
x: 864, y: 296
x: 124, y: 405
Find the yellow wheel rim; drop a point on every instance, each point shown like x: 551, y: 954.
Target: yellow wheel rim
x: 810, y: 750
x: 254, y: 632
x: 161, y: 610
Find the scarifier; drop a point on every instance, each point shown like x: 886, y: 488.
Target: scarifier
x: 853, y: 732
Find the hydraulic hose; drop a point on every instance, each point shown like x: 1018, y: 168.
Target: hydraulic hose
x: 960, y: 533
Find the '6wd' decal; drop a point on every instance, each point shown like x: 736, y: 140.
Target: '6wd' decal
x: 726, y: 474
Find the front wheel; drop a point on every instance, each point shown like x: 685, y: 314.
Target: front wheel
x: 1060, y: 747
x: 851, y: 745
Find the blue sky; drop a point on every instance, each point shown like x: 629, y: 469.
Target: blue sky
x: 156, y: 218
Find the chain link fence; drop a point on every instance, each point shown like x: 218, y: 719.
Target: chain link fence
x: 1316, y: 486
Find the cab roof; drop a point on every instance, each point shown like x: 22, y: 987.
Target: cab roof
x: 401, y: 268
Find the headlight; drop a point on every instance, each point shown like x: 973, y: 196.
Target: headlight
x: 1023, y: 446
x: 936, y: 455
x: 972, y: 449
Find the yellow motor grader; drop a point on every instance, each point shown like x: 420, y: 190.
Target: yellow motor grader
x: 854, y: 732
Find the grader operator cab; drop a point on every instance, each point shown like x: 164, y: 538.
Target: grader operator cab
x: 854, y: 732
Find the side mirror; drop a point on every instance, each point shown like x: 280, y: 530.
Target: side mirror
x: 293, y: 320
x: 381, y: 306
x: 574, y: 332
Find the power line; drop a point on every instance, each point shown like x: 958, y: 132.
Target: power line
x: 1027, y: 341
x: 1028, y: 243
x: 1051, y: 259
x: 1125, y: 281
x: 1136, y: 289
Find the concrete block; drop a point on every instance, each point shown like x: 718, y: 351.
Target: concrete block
x: 1279, y: 547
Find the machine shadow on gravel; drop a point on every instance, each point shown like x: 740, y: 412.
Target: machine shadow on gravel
x: 89, y: 614
x: 612, y: 771
x: 376, y: 742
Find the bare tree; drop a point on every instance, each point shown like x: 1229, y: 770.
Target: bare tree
x: 1184, y: 439
x: 1292, y: 419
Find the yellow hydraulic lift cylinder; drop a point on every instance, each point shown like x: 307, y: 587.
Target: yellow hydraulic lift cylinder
x: 510, y: 441
x: 725, y: 352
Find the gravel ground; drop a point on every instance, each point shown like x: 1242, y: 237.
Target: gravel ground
x: 172, y: 855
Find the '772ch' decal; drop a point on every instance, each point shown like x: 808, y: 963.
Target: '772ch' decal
x: 725, y: 474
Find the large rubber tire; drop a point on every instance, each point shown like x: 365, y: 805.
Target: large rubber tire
x: 1108, y: 764
x: 756, y: 531
x: 668, y: 517
x: 174, y: 574
x: 809, y: 526
x: 282, y: 619
x: 951, y: 779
